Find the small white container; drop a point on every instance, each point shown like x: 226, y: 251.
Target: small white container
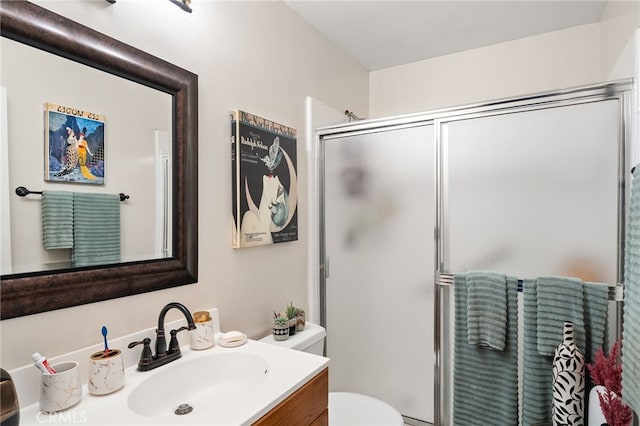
x: 106, y: 372
x: 61, y: 390
x: 596, y: 417
x: 202, y: 337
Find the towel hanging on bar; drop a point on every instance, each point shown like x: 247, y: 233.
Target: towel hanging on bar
x: 631, y: 313
x: 57, y: 219
x: 487, y: 309
x: 480, y: 374
x: 96, y: 229
x: 86, y: 223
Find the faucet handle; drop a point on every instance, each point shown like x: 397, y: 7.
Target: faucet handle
x: 174, y: 345
x: 146, y: 356
x: 146, y: 342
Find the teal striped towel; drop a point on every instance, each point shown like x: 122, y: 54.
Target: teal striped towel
x: 96, y: 229
x: 485, y: 382
x: 487, y: 309
x: 596, y: 307
x: 560, y: 299
x: 57, y: 219
x: 537, y: 377
x: 537, y: 369
x: 631, y: 310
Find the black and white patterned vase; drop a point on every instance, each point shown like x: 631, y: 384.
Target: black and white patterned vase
x: 280, y: 332
x: 568, y: 381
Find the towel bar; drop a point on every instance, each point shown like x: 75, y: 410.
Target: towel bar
x: 615, y: 290
x: 22, y: 192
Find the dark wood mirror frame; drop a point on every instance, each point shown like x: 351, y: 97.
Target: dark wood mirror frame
x: 26, y: 294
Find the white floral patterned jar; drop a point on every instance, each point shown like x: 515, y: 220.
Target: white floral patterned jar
x: 60, y: 390
x: 106, y: 372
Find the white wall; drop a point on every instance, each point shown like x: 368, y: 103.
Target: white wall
x: 618, y: 49
x: 572, y: 57
x: 256, y: 56
x: 559, y: 59
x: 5, y: 236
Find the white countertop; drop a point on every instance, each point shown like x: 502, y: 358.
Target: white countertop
x: 288, y: 371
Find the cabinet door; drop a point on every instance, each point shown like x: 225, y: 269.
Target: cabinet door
x: 306, y: 406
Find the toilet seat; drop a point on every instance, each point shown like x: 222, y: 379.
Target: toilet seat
x: 352, y: 409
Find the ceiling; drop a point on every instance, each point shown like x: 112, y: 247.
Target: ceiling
x: 383, y: 34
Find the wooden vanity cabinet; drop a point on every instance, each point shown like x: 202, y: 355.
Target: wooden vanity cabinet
x: 306, y: 406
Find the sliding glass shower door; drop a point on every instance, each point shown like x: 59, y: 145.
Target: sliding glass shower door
x: 379, y: 218
x: 530, y: 193
x: 527, y: 186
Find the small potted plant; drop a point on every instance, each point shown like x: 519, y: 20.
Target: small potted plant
x: 280, y: 326
x: 291, y: 314
x: 300, y: 319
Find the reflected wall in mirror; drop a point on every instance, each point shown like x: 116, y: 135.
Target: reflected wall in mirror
x: 136, y: 134
x: 173, y: 92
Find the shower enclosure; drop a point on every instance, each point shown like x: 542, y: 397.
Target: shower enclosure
x: 528, y: 187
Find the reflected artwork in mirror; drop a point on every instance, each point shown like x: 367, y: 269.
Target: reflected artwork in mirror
x: 26, y: 293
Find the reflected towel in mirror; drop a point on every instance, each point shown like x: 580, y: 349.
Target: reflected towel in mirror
x: 57, y: 219
x: 96, y: 229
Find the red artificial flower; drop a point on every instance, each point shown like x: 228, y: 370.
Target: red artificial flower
x: 616, y: 413
x: 607, y: 372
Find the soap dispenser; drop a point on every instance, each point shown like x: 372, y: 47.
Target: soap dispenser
x: 202, y: 337
x: 9, y: 407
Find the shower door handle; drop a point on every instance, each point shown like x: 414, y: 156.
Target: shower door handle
x: 326, y: 267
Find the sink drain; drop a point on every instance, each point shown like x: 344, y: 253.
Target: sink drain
x: 183, y: 409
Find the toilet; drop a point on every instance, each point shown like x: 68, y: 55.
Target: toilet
x: 345, y: 408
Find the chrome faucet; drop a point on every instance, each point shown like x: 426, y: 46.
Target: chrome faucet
x: 163, y: 355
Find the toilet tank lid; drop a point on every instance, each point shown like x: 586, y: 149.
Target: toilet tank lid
x: 311, y: 334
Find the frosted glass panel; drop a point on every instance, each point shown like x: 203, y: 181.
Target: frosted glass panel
x: 534, y: 193
x: 380, y: 218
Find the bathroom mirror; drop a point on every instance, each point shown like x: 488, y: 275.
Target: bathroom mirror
x: 32, y: 292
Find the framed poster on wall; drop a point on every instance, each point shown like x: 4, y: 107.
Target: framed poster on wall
x: 74, y: 145
x: 265, y: 183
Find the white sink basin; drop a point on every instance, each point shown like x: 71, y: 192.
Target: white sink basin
x: 202, y: 384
